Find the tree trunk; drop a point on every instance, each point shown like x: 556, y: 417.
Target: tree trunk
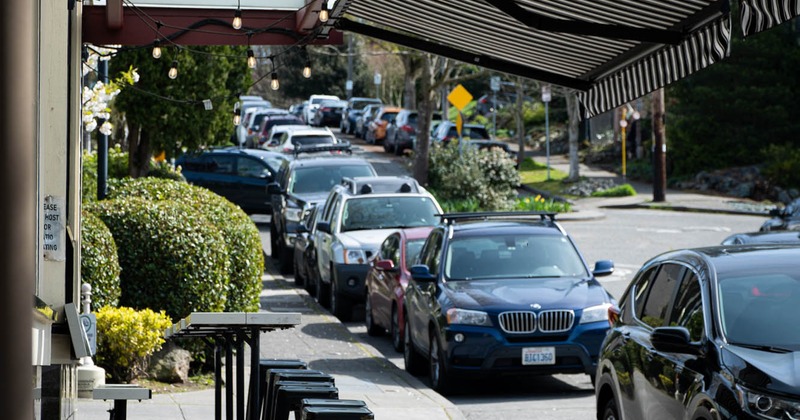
x: 573, y: 112
x: 520, y: 123
x: 411, y: 66
x: 424, y: 113
x: 138, y: 152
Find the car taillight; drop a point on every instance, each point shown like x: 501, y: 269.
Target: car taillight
x: 613, y: 315
x: 326, y: 109
x: 287, y: 150
x: 407, y: 128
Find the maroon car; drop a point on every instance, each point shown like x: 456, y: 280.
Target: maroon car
x: 386, y: 282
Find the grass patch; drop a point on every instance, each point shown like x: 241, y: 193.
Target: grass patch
x: 534, y: 175
x: 624, y: 190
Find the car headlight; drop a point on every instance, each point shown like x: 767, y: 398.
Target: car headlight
x: 294, y: 214
x: 467, y: 317
x: 355, y: 256
x: 767, y: 406
x: 595, y: 313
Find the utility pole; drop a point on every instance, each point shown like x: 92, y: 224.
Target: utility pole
x: 102, y: 139
x: 349, y: 86
x: 659, y: 148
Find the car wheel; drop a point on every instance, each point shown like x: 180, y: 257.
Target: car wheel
x: 284, y: 259
x: 311, y: 282
x: 387, y: 147
x: 273, y: 240
x: 372, y: 328
x: 702, y: 413
x: 610, y: 411
x: 323, y: 293
x: 397, y: 339
x: 441, y: 380
x: 413, y: 361
x: 341, y: 307
x: 299, y: 280
x: 398, y: 150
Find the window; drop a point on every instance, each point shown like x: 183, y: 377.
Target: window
x: 687, y: 311
x: 390, y: 248
x: 659, y: 295
x: 412, y: 251
x: 639, y: 294
x: 222, y: 164
x: 431, y: 252
x: 251, y: 168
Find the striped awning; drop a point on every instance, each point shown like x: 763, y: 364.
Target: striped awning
x: 609, y: 51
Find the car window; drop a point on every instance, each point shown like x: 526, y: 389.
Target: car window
x: 388, y: 116
x: 222, y: 164
x: 367, y: 213
x: 513, y: 256
x: 331, y: 203
x: 431, y: 252
x: 687, y: 311
x: 389, y: 249
x: 250, y: 167
x: 639, y: 291
x: 302, y: 140
x: 659, y: 294
x: 476, y: 133
x: 413, y: 247
x: 412, y: 119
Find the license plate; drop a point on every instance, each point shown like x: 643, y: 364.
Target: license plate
x: 538, y: 356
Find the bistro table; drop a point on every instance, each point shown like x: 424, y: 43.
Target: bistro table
x: 228, y: 332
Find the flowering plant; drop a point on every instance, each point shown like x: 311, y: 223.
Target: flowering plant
x: 95, y: 100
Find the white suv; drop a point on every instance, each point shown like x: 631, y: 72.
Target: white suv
x: 289, y: 139
x: 356, y: 217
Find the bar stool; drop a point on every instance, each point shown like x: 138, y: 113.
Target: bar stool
x: 329, y: 403
x: 336, y: 413
x: 288, y: 397
x: 274, y: 375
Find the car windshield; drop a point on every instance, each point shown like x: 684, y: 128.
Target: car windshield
x: 312, y: 139
x: 512, y: 256
x: 388, y: 116
x: 322, y: 178
x: 756, y: 307
x: 364, y: 213
x: 412, y: 251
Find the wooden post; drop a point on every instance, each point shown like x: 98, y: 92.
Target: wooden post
x: 659, y: 148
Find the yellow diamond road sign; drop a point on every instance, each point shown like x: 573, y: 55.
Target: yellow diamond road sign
x: 459, y: 97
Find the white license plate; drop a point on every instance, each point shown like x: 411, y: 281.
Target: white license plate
x: 538, y: 356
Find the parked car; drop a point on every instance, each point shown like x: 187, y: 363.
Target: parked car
x: 246, y: 104
x: 357, y: 216
x: 329, y: 113
x: 255, y: 124
x: 305, y: 263
x: 706, y: 333
x: 492, y: 144
x: 273, y: 120
x: 447, y: 131
x: 313, y: 104
x: 387, y: 278
x: 503, y: 294
x: 769, y: 237
x: 376, y: 128
x: 362, y: 120
x: 271, y: 140
x: 787, y: 218
x: 303, y: 182
x: 291, y: 139
x: 297, y: 109
x: 354, y: 108
x: 240, y: 175
x: 401, y: 133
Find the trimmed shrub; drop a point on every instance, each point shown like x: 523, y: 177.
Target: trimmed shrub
x: 172, y: 258
x: 126, y: 339
x: 782, y: 165
x: 623, y: 190
x: 99, y: 262
x: 238, y: 230
x: 489, y: 176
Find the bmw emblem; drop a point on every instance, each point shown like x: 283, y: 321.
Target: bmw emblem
x: 536, y: 306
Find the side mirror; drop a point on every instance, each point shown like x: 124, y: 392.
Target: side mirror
x: 324, y: 227
x: 422, y: 274
x: 274, y: 188
x: 673, y: 340
x: 603, y: 268
x: 384, y: 265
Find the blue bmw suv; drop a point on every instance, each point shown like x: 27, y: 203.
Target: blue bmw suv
x: 503, y: 293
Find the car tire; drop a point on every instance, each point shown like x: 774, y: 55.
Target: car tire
x: 398, y: 150
x: 373, y: 329
x: 609, y: 411
x: 441, y: 379
x: 341, y: 307
x: 311, y: 283
x: 414, y: 362
x: 284, y: 260
x: 702, y: 413
x: 298, y: 279
x: 387, y: 147
x: 397, y: 339
x: 323, y: 293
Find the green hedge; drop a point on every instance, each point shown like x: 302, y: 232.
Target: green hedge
x: 99, y: 262
x: 172, y: 257
x: 238, y: 231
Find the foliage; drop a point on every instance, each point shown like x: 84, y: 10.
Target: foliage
x: 95, y: 100
x: 623, y: 190
x: 171, y: 110
x: 539, y: 203
x: 782, y: 165
x: 242, y: 240
x: 172, y: 257
x: 99, y: 262
x: 126, y: 338
x: 722, y: 116
x: 462, y: 205
x: 488, y: 176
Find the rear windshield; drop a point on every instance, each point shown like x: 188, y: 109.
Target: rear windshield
x: 312, y: 139
x: 369, y: 213
x: 388, y: 116
x: 412, y: 251
x: 323, y: 178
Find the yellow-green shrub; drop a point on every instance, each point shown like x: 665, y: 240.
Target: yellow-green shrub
x: 126, y: 338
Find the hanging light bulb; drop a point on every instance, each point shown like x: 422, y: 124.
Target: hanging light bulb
x: 274, y: 83
x: 237, y: 19
x: 157, y: 49
x: 307, y: 69
x: 237, y: 116
x: 173, y: 71
x: 251, y: 59
x: 323, y: 12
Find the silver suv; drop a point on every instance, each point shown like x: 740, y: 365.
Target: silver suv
x: 356, y: 217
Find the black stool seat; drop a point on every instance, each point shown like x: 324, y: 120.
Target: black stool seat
x: 325, y: 402
x: 336, y: 413
x: 288, y: 397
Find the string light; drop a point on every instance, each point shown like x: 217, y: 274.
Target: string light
x: 307, y: 69
x: 274, y: 83
x: 157, y: 49
x: 237, y: 16
x: 173, y: 70
x: 251, y: 58
x: 323, y: 12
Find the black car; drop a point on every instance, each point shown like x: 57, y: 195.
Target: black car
x: 353, y: 111
x: 769, y: 237
x: 305, y: 261
x: 706, y: 333
x: 303, y: 182
x: 329, y: 113
x: 503, y: 294
x: 401, y: 134
x: 240, y: 175
x: 786, y: 218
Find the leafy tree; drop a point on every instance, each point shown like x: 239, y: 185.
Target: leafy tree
x: 168, y: 114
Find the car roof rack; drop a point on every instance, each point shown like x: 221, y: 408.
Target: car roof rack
x: 381, y: 184
x: 317, y: 148
x: 451, y: 218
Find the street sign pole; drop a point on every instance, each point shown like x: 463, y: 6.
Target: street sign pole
x: 495, y: 85
x: 546, y: 100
